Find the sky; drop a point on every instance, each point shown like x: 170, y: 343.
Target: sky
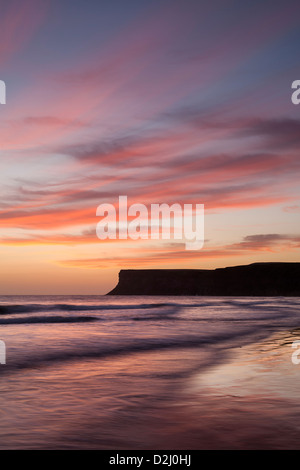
x: 182, y: 101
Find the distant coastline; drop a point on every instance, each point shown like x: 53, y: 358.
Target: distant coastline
x: 257, y: 279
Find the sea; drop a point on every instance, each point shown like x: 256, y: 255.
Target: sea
x: 136, y: 372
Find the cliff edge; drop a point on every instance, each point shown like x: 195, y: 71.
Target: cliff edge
x: 258, y: 279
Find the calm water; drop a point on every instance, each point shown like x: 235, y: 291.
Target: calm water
x: 96, y: 372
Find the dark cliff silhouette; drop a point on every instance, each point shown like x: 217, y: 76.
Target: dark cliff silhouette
x: 258, y: 279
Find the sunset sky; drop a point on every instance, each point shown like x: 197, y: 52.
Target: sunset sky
x: 173, y: 101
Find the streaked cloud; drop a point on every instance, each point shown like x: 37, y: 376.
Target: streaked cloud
x: 165, y: 102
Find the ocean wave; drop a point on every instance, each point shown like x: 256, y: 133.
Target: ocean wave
x: 252, y: 304
x: 31, y: 308
x: 47, y: 319
x: 226, y: 340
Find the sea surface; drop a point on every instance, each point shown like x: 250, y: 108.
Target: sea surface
x: 114, y: 372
